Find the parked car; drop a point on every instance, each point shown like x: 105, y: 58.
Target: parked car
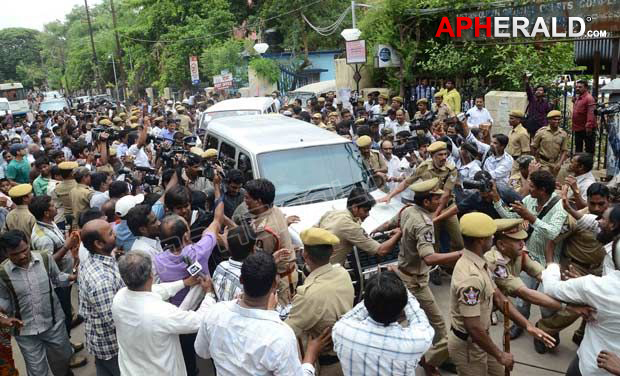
x: 237, y: 107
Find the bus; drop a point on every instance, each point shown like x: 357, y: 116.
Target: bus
x: 16, y: 95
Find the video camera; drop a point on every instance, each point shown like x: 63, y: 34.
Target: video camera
x: 411, y: 144
x: 113, y: 134
x: 484, y: 184
x: 609, y: 109
x: 421, y: 124
x: 150, y: 175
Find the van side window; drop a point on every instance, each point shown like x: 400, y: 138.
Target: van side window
x: 244, y: 164
x: 211, y: 143
x: 227, y: 154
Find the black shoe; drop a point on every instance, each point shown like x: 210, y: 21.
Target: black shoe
x: 577, y: 338
x: 539, y: 346
x: 436, y: 277
x: 515, y: 331
x: 448, y: 366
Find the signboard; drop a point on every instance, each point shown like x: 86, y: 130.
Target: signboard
x: 193, y: 69
x: 223, y: 81
x: 387, y: 56
x: 356, y: 51
x: 600, y: 16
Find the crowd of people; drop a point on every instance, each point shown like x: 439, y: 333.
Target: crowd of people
x: 175, y: 254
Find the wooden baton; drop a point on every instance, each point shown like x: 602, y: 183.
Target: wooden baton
x: 506, y: 333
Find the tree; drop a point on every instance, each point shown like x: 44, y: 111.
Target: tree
x: 19, y: 45
x: 226, y: 55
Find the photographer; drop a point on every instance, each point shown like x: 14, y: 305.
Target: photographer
x: 195, y: 173
x: 479, y: 196
x: 423, y: 118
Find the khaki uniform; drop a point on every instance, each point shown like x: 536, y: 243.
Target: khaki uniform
x: 471, y: 295
x: 80, y: 200
x: 184, y: 123
x: 505, y: 271
x: 376, y: 161
x: 350, y: 232
x: 416, y: 243
x: 447, y: 176
x: 61, y: 194
x: 271, y: 235
x: 443, y: 112
x: 20, y: 218
x: 584, y: 253
x: 518, y: 144
x: 549, y: 146
x: 326, y: 295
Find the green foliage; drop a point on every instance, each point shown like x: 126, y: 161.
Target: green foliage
x: 266, y: 68
x: 226, y: 55
x: 18, y: 46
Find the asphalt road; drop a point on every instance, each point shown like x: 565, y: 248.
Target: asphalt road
x: 530, y: 363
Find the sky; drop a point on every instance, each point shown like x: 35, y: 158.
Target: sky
x: 33, y: 14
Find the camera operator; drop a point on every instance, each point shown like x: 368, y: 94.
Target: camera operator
x: 479, y: 196
x: 423, y: 118
x: 196, y: 179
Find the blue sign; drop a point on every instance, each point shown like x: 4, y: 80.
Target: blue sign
x: 385, y: 54
x: 195, y: 82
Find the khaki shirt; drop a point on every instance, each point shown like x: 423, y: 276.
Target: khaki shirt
x: 471, y: 291
x: 20, y: 218
x: 271, y: 222
x: 549, y: 144
x: 61, y: 194
x: 184, y: 123
x: 350, y: 232
x: 447, y: 175
x: 443, y: 112
x: 518, y: 141
x: 330, y: 127
x: 579, y: 244
x: 417, y: 239
x: 376, y: 161
x: 326, y: 295
x: 505, y: 271
x: 80, y: 200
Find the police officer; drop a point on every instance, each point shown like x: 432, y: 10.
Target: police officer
x: 550, y: 145
x: 347, y: 226
x: 185, y: 122
x: 272, y: 234
x: 415, y: 259
x: 374, y: 160
x: 446, y: 172
x: 62, y: 191
x: 518, y: 138
x: 326, y: 295
x: 472, y: 293
x: 20, y: 218
x: 82, y: 193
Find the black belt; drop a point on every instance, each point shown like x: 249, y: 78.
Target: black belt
x: 460, y: 334
x: 328, y: 360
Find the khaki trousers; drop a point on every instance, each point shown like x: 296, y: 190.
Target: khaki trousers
x: 418, y: 286
x: 471, y: 360
x: 451, y: 226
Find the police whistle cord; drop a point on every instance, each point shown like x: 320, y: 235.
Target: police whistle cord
x: 539, y: 367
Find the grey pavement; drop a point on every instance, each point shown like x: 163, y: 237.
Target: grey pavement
x: 530, y: 363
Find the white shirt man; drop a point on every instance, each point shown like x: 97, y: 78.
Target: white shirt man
x: 599, y: 293
x: 478, y: 115
x: 257, y: 344
x: 150, y: 246
x: 499, y: 167
x: 393, y: 163
x: 583, y: 182
x: 148, y: 328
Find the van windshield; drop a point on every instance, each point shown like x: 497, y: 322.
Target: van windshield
x: 221, y: 114
x: 315, y: 174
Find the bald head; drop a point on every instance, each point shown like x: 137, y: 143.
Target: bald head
x: 98, y: 237
x: 174, y: 231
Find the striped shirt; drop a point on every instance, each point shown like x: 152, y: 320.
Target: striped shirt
x: 226, y: 280
x: 366, y: 347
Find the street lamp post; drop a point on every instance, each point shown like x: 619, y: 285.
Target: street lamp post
x: 118, y: 98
